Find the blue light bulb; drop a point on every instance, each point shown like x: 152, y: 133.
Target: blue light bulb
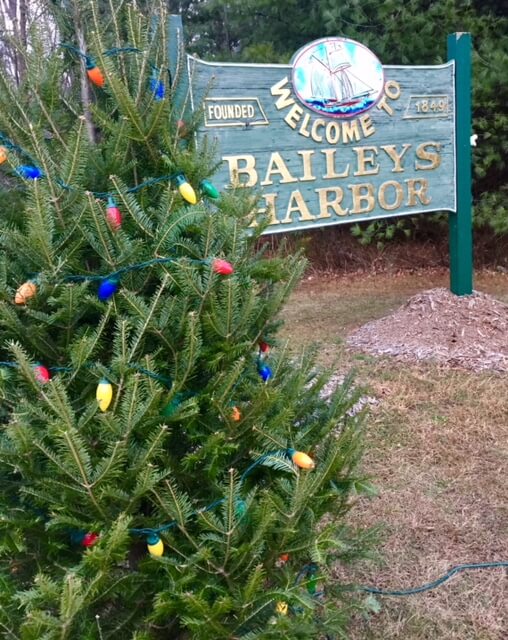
x: 107, y: 288
x: 157, y: 88
x: 265, y: 372
x: 29, y: 172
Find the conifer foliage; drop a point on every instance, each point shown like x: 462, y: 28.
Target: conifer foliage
x: 152, y: 477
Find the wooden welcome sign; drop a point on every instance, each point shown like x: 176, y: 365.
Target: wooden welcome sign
x: 336, y: 137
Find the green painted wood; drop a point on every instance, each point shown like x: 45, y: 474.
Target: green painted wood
x: 460, y: 223
x: 310, y: 180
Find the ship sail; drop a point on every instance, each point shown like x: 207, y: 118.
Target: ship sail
x: 332, y: 80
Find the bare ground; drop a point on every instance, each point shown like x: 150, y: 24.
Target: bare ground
x: 436, y: 441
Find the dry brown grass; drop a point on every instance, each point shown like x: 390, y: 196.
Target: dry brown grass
x: 437, y: 451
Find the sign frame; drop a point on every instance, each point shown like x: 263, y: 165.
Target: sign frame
x: 459, y: 214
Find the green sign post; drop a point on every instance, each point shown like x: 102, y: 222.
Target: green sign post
x: 460, y: 221
x: 336, y: 137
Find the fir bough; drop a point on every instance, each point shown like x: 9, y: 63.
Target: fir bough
x: 194, y: 446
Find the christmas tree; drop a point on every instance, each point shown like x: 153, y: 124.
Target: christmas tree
x: 166, y: 463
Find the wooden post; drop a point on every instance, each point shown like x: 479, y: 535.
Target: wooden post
x: 460, y: 223
x: 178, y: 65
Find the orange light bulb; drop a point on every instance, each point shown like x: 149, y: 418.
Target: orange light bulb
x: 26, y: 291
x: 301, y: 459
x: 96, y: 77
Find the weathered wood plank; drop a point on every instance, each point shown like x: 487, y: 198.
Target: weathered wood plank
x: 397, y: 158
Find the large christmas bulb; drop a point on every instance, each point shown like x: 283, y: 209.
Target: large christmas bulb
x: 185, y: 189
x: 89, y: 539
x: 301, y: 459
x: 94, y: 73
x: 222, y: 267
x: 312, y: 583
x: 264, y: 347
x: 282, y: 608
x: 265, y: 372
x: 104, y: 394
x: 209, y: 189
x: 113, y: 214
x: 3, y: 155
x: 42, y: 373
x: 26, y: 291
x: 155, y: 545
x: 29, y: 172
x: 236, y: 415
x: 107, y: 289
x: 157, y: 88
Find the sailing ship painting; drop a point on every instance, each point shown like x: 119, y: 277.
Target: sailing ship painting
x: 337, y: 77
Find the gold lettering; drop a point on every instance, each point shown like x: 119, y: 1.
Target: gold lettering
x: 350, y: 130
x: 319, y: 122
x: 324, y: 203
x: 269, y: 210
x: 363, y: 192
x: 399, y: 195
x: 303, y: 129
x: 297, y: 205
x: 285, y: 99
x: 364, y: 160
x: 392, y: 89
x: 432, y: 156
x: 383, y: 104
x: 394, y: 156
x: 330, y: 165
x: 293, y: 116
x: 332, y: 132
x: 420, y: 192
x: 367, y: 126
x: 277, y: 165
x: 307, y: 164
x: 235, y: 170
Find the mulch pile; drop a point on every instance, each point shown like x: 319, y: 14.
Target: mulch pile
x: 456, y: 331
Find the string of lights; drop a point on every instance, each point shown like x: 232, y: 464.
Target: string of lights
x: 33, y: 172
x: 152, y: 534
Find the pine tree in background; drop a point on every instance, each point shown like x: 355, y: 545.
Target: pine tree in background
x: 165, y: 464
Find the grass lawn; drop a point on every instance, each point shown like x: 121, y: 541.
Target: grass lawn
x: 437, y: 450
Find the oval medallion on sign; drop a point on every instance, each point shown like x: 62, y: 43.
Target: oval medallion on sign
x: 337, y: 77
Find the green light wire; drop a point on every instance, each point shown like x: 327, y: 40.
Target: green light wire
x: 115, y: 275
x: 435, y: 583
x: 146, y: 531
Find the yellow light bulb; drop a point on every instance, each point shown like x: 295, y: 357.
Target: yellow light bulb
x: 26, y: 291
x: 185, y: 189
x: 155, y: 545
x: 104, y: 394
x: 282, y: 608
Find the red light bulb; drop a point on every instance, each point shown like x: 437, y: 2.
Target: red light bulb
x: 89, y: 539
x: 113, y: 215
x: 42, y: 373
x: 222, y: 267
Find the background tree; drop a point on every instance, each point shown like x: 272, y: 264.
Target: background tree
x: 409, y: 33
x: 165, y: 465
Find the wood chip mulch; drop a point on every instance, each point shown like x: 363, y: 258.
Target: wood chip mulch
x: 470, y: 332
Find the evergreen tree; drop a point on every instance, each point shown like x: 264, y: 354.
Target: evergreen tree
x: 165, y: 464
